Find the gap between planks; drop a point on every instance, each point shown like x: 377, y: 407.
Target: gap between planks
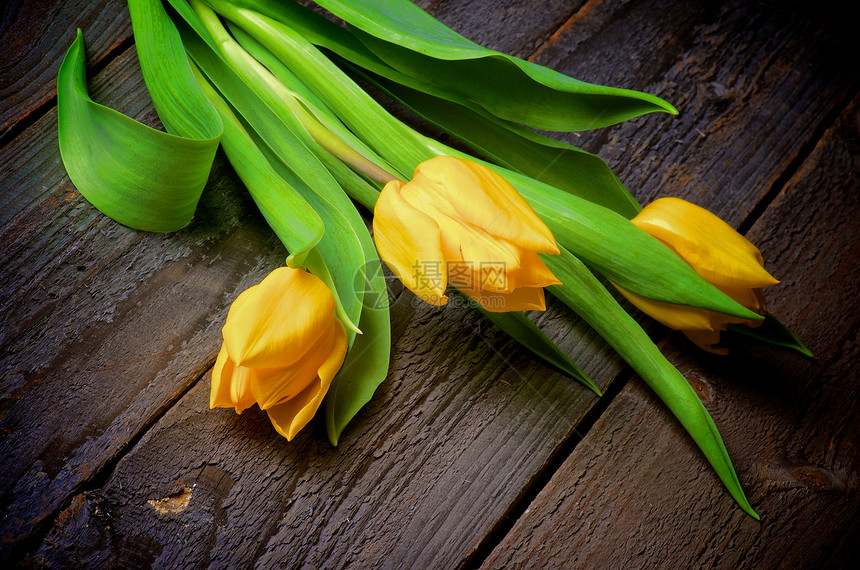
x: 530, y: 491
x: 791, y: 169
x: 31, y: 117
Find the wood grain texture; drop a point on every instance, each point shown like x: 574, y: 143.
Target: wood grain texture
x: 110, y: 457
x: 102, y: 330
x: 445, y: 446
x: 34, y: 35
x: 635, y: 493
x: 103, y: 327
x: 515, y: 27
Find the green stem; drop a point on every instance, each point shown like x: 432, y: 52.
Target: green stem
x: 273, y: 195
x: 279, y: 97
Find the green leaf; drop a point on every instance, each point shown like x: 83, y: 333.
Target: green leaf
x: 292, y: 219
x: 341, y: 254
x: 418, y: 45
x: 118, y: 164
x: 520, y: 149
x: 368, y: 189
x: 366, y: 365
x: 520, y: 328
x: 772, y: 332
x: 181, y: 106
x: 332, y: 88
x: 583, y: 293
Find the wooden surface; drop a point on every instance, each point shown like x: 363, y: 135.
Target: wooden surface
x: 471, y: 454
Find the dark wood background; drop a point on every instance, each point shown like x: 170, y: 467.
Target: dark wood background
x: 471, y: 454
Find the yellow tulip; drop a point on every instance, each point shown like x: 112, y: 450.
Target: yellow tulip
x: 459, y: 223
x: 282, y: 347
x: 718, y: 253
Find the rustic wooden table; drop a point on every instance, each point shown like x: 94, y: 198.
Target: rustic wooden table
x: 471, y: 454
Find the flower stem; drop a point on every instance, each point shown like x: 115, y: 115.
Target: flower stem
x: 281, y: 99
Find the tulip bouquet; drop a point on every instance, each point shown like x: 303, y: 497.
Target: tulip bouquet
x: 272, y: 84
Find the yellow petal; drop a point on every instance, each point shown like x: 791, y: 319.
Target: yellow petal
x: 712, y: 247
x: 291, y: 416
x: 410, y: 244
x: 679, y: 317
x: 219, y: 393
x: 239, y: 392
x: 752, y: 299
x: 706, y: 341
x: 229, y: 384
x: 272, y: 386
x: 533, y: 272
x: 465, y: 242
x: 473, y: 193
x: 700, y: 326
x: 479, y: 260
x: 274, y: 323
x: 521, y: 299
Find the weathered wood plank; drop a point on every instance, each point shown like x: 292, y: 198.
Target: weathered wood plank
x: 35, y: 35
x: 448, y: 442
x: 102, y: 327
x: 753, y: 82
x: 515, y: 27
x: 81, y: 297
x: 634, y: 492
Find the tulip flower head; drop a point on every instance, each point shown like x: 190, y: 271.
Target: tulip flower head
x: 718, y: 253
x: 459, y: 223
x: 282, y: 347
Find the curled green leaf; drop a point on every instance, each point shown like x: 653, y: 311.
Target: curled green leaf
x: 118, y: 164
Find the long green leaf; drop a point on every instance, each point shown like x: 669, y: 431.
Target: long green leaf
x: 119, y: 164
x: 523, y: 330
x: 324, y: 33
x: 553, y: 162
x: 772, y: 332
x: 278, y: 201
x: 366, y: 365
x: 341, y: 257
x: 589, y: 299
x: 340, y: 251
x: 415, y: 43
x: 181, y: 106
x: 333, y: 88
